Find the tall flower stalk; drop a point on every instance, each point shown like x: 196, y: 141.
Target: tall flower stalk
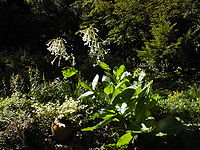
x: 57, y: 48
x: 91, y: 39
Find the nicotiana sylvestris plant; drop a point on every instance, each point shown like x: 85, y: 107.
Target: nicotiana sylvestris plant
x: 91, y: 39
x: 57, y: 47
x: 130, y: 103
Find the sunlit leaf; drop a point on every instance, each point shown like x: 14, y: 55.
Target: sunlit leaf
x: 122, y: 108
x: 104, y: 66
x: 161, y: 134
x: 145, y: 129
x: 69, y: 72
x: 109, y: 116
x: 99, y: 125
x: 127, y: 75
x: 106, y: 79
x: 83, y: 84
x: 119, y: 71
x: 88, y: 93
x: 95, y: 81
x: 142, y: 74
x: 125, y: 139
x: 109, y: 89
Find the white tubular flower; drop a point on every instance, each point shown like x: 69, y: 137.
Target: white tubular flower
x: 57, y: 48
x: 95, y: 44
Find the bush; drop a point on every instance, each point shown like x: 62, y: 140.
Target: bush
x: 23, y: 120
x: 185, y: 104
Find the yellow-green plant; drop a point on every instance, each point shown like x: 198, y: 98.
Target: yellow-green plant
x: 129, y: 102
x: 185, y: 104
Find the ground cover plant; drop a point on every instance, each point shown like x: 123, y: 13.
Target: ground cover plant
x: 119, y: 104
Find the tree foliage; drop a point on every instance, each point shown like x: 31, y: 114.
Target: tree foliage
x: 159, y: 36
x: 163, y: 34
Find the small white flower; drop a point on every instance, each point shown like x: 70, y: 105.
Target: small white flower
x: 57, y: 47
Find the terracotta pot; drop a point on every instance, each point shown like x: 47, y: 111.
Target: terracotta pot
x: 60, y: 131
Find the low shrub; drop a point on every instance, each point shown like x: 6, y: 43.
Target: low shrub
x: 185, y: 104
x: 23, y: 120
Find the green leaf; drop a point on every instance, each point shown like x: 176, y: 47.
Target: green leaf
x: 160, y: 134
x: 104, y: 66
x: 126, y: 75
x: 95, y: 81
x: 145, y: 128
x: 124, y: 95
x: 119, y: 71
x: 83, y: 84
x: 89, y: 128
x: 125, y: 139
x: 143, y: 98
x: 69, y: 72
x: 108, y: 116
x: 99, y: 125
x: 119, y: 84
x: 109, y: 89
x: 104, y: 112
x: 86, y: 94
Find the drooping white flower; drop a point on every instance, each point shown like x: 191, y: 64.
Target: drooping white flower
x: 57, y: 48
x: 91, y: 39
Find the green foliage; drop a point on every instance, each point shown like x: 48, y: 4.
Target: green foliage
x: 125, y: 139
x: 159, y: 51
x: 163, y: 34
x: 129, y: 102
x: 69, y: 72
x: 54, y: 91
x: 160, y: 36
x: 122, y: 18
x: 184, y: 104
x: 15, y: 116
x: 19, y: 117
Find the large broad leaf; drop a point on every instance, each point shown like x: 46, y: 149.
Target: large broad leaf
x: 99, y: 125
x: 109, y: 89
x: 104, y: 66
x: 69, y: 72
x: 125, y: 139
x: 95, y: 81
x: 143, y: 99
x: 83, y: 84
x: 86, y: 94
x: 124, y: 95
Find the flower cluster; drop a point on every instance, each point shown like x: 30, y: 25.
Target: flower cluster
x: 57, y: 48
x: 90, y: 37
